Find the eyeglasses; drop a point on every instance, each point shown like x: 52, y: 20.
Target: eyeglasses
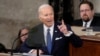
x: 86, y: 10
x: 24, y: 34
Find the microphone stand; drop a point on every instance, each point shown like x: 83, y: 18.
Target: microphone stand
x: 38, y: 46
x: 37, y: 51
x: 13, y: 46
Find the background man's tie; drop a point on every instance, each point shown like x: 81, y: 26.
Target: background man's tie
x: 85, y: 25
x: 49, y: 41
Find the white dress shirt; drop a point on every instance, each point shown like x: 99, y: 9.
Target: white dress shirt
x: 88, y: 23
x: 45, y: 32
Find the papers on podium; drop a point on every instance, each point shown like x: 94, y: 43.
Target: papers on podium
x: 21, y: 54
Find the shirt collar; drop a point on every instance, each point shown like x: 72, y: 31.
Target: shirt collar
x: 88, y: 23
x: 45, y: 27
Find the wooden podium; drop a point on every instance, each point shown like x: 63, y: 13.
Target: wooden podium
x: 91, y: 44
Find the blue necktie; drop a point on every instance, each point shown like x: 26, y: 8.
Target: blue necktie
x: 49, y: 42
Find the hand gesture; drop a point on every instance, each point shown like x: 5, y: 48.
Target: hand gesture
x: 63, y: 28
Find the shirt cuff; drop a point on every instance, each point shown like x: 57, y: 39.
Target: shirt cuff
x: 68, y: 34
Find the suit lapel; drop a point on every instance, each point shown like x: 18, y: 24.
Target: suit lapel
x: 80, y: 23
x: 55, y: 35
x: 41, y: 34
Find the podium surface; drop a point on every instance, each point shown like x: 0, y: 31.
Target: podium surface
x: 21, y: 54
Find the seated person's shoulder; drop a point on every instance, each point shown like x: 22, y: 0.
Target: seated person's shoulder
x: 2, y: 48
x: 97, y: 17
x: 35, y: 28
x: 77, y: 22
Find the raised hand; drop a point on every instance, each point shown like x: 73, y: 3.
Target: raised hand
x: 63, y: 27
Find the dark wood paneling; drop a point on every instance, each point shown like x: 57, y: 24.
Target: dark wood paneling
x: 89, y: 48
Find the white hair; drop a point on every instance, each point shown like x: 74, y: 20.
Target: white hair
x: 43, y: 6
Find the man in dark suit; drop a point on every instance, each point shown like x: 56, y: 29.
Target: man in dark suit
x: 61, y: 35
x: 87, y: 15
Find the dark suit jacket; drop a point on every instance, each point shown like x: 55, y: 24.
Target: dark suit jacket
x: 60, y: 42
x: 95, y: 22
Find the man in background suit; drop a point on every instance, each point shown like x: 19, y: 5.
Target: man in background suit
x: 87, y: 15
x: 61, y: 35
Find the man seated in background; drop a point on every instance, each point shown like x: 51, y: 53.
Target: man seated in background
x: 87, y: 15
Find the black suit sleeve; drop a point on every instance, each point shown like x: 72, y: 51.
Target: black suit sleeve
x: 74, y: 39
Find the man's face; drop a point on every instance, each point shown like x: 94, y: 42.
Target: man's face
x: 46, y: 15
x: 85, y: 12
